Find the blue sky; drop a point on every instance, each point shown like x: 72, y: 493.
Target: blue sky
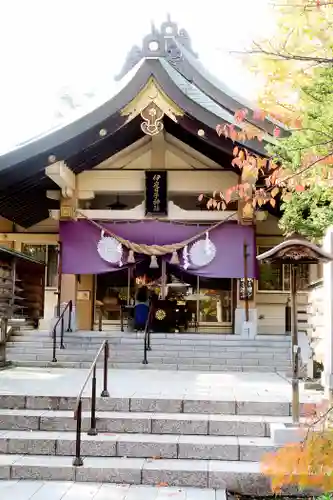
x: 48, y: 45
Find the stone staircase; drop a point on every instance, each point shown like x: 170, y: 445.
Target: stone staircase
x: 182, y: 351
x: 141, y: 441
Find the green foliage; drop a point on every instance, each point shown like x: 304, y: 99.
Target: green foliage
x: 307, y: 156
x: 302, y: 41
x: 308, y: 213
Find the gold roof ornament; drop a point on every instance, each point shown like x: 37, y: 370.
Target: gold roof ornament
x: 151, y: 94
x: 152, y: 116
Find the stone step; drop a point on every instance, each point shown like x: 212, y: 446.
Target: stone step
x: 283, y: 369
x: 240, y: 477
x: 183, y: 352
x: 66, y: 490
x: 159, y: 336
x: 228, y: 410
x: 175, y: 339
x: 149, y: 423
x: 137, y: 445
x: 63, y: 354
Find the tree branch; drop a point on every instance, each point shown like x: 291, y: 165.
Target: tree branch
x: 308, y: 167
x: 287, y: 56
x: 311, y: 6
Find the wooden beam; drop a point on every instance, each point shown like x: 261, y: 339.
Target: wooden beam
x: 62, y: 176
x: 127, y: 155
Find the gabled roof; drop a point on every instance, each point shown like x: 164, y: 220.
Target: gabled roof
x: 166, y: 57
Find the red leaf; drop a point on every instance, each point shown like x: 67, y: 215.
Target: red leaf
x: 276, y: 132
x: 236, y: 162
x: 299, y: 188
x: 240, y: 115
x: 228, y: 196
x: 259, y: 114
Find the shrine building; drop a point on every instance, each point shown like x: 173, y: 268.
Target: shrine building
x: 109, y: 203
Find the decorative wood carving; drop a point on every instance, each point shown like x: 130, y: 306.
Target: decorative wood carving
x: 152, y: 116
x: 152, y: 94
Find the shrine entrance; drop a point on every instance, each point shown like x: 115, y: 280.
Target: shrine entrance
x: 183, y: 302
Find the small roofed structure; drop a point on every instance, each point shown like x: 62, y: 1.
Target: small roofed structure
x: 295, y: 250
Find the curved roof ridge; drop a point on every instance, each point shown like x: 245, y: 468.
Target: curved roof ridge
x: 78, y: 114
x: 200, y: 67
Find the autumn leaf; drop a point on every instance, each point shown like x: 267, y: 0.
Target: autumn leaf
x: 260, y: 202
x: 275, y: 191
x: 228, y: 196
x: 219, y: 130
x: 299, y: 188
x: 235, y: 151
x: 240, y: 115
x: 276, y: 132
x: 247, y: 210
x: 200, y: 197
x: 259, y: 114
x: 272, y: 201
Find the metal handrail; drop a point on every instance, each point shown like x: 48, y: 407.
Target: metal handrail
x: 61, y: 320
x: 78, y: 460
x: 147, y: 346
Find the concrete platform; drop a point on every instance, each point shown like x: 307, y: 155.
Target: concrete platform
x: 59, y: 490
x: 156, y: 384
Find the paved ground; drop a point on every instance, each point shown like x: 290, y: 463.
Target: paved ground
x: 39, y: 490
x: 154, y: 384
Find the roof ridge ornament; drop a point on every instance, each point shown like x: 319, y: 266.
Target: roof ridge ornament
x: 163, y: 42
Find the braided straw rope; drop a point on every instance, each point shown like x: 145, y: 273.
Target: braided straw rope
x: 157, y: 250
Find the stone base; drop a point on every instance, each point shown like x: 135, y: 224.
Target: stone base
x: 282, y: 434
x: 246, y: 329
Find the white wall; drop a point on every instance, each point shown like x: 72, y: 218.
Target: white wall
x: 50, y: 302
x: 317, y: 321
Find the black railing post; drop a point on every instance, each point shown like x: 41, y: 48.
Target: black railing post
x: 70, y: 310
x: 105, y: 393
x: 288, y: 317
x: 145, y: 360
x: 54, y: 349
x: 149, y: 346
x: 62, y: 326
x: 78, y: 461
x: 93, y: 431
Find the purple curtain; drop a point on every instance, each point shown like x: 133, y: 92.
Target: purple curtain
x: 79, y: 246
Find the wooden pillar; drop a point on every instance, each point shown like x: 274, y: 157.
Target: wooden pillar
x: 246, y: 311
x: 68, y: 284
x: 68, y: 288
x: 85, y: 302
